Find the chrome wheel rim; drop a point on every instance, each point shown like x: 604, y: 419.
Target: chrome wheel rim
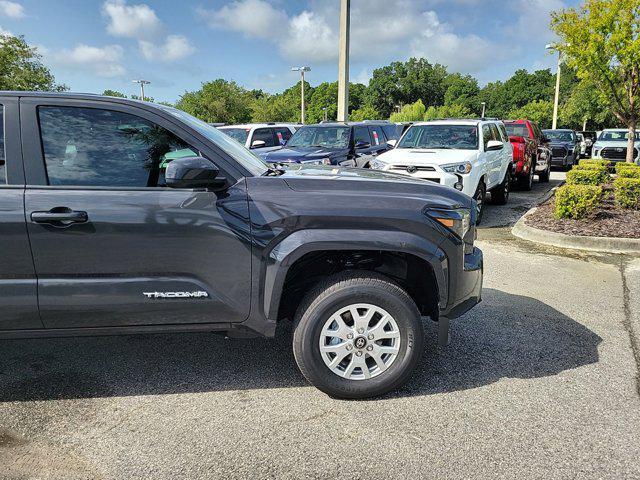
x: 360, y: 341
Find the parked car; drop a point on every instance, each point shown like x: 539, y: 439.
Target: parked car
x: 98, y: 240
x: 582, y: 144
x: 612, y: 145
x: 529, y: 152
x: 472, y: 156
x: 590, y: 138
x: 260, y: 137
x: 338, y: 143
x: 565, y: 147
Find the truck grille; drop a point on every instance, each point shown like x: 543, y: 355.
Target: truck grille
x: 617, y: 153
x: 558, y: 152
x: 412, y: 168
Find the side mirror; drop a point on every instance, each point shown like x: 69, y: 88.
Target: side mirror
x: 392, y: 143
x: 360, y: 145
x: 193, y: 172
x: 258, y: 144
x: 493, y: 145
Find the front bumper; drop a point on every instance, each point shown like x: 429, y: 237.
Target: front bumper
x: 541, y: 165
x: 437, y: 175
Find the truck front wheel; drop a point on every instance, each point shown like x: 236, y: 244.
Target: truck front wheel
x: 357, y: 335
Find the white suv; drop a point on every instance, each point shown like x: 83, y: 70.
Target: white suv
x: 473, y: 156
x: 261, y: 137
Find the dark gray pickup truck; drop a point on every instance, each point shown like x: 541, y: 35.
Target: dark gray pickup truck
x: 119, y: 216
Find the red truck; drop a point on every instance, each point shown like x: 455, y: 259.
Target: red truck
x: 530, y: 152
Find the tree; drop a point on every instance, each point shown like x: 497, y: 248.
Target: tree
x: 601, y: 42
x: 325, y: 95
x: 366, y: 112
x: 218, y: 101
x: 21, y: 68
x: 402, y: 83
x: 539, y: 111
x: 584, y: 108
x: 448, y: 111
x: 410, y: 113
x: 463, y: 90
x: 283, y: 107
x: 114, y: 93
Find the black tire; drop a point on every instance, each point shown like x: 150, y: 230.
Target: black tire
x: 342, y: 290
x: 526, y: 183
x: 479, y: 196
x: 543, y: 177
x: 500, y: 194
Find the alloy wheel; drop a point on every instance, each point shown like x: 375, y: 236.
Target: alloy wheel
x: 360, y: 341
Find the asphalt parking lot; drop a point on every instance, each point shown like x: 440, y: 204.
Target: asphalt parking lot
x: 540, y: 380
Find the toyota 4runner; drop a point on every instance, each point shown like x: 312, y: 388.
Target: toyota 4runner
x: 121, y: 217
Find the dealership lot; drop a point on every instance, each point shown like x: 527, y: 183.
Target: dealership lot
x: 540, y: 377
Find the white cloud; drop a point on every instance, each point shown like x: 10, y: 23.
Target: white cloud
x: 11, y: 9
x: 534, y: 18
x: 5, y: 32
x: 254, y: 18
x: 131, y: 21
x: 102, y: 61
x: 174, y: 48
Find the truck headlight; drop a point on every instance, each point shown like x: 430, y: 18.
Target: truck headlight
x: 458, y: 220
x: 463, y: 168
x: 377, y: 164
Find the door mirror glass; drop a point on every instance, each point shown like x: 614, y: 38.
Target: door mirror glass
x: 360, y: 145
x: 493, y: 145
x: 193, y: 172
x: 258, y: 144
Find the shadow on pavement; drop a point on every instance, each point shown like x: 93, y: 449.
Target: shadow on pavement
x: 505, y: 336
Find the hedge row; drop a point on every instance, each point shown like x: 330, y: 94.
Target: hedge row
x: 626, y: 166
x: 597, y: 163
x: 577, y: 201
x: 588, y: 176
x: 627, y: 192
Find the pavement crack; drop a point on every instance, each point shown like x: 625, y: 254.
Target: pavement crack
x: 627, y: 322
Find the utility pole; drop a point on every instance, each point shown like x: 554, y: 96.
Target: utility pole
x: 343, y: 61
x: 484, y: 106
x: 142, y: 84
x: 556, y: 100
x: 301, y: 70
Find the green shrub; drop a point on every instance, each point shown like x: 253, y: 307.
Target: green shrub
x: 599, y: 163
x: 626, y: 166
x: 591, y: 166
x: 577, y: 201
x: 627, y: 192
x: 629, y: 173
x: 587, y: 177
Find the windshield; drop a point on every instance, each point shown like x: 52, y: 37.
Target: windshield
x: 238, y: 134
x: 319, y: 136
x: 517, y: 130
x: 238, y: 152
x: 559, y: 135
x: 616, y: 136
x: 460, y: 137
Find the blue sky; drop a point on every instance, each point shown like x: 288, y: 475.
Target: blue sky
x: 92, y: 45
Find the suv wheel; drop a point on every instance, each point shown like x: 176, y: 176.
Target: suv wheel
x: 500, y: 194
x: 357, y: 335
x: 479, y: 196
x: 526, y: 183
x: 543, y: 177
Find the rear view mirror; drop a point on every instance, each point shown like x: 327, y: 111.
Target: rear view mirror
x: 193, y: 172
x: 258, y: 144
x: 493, y: 145
x: 392, y: 143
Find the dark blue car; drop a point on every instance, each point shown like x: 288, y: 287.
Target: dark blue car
x: 345, y: 144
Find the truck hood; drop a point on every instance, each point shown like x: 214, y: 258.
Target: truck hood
x: 614, y: 144
x: 303, y: 154
x: 410, y: 156
x: 367, y: 183
x: 557, y: 143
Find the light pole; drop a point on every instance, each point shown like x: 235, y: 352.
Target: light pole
x: 553, y: 46
x: 484, y: 106
x: 301, y: 70
x: 142, y: 84
x: 343, y: 61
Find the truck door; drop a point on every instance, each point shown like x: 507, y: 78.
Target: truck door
x: 18, y: 286
x: 111, y: 245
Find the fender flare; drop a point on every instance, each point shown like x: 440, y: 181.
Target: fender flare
x: 290, y: 249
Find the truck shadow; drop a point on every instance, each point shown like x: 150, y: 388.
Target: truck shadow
x: 505, y: 336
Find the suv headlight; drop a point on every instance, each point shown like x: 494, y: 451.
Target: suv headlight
x: 377, y: 164
x: 317, y: 161
x: 458, y: 220
x: 463, y: 168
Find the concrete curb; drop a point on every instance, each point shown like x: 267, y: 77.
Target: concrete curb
x: 593, y: 244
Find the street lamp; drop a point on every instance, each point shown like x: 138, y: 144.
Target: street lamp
x: 301, y: 70
x: 484, y: 106
x: 142, y: 84
x: 554, y: 46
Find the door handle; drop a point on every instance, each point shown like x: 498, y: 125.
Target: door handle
x: 60, y: 217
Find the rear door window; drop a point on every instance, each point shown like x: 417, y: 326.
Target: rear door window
x: 486, y: 134
x: 361, y: 134
x: 391, y: 132
x: 3, y: 166
x: 265, y: 135
x: 377, y: 135
x: 283, y: 134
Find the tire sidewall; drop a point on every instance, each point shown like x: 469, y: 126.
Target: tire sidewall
x: 307, y: 337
